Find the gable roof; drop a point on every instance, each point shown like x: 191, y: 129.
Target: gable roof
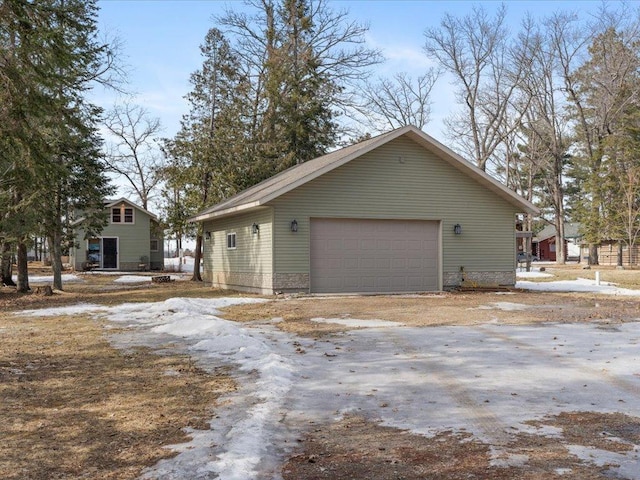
x: 297, y: 175
x: 113, y: 203
x: 571, y: 231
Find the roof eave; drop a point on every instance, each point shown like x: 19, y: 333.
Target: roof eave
x: 224, y: 213
x: 417, y: 135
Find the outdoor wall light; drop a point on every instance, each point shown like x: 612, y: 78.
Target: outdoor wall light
x: 207, y: 235
x: 457, y: 229
x: 294, y: 225
x: 255, y: 228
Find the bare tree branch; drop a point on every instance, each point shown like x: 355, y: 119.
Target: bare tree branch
x: 132, y: 151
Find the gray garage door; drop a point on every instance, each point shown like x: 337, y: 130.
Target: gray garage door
x: 354, y: 255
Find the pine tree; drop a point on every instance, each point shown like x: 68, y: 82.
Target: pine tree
x: 605, y: 87
x: 304, y: 62
x: 52, y: 58
x: 207, y: 159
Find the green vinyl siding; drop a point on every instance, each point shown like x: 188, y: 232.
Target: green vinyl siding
x: 401, y: 180
x: 133, y: 243
x: 133, y: 240
x: 253, y: 252
x: 156, y: 258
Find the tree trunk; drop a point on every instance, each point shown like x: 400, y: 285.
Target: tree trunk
x: 561, y: 254
x: 196, y: 262
x: 619, y: 262
x: 23, y: 268
x: 5, y: 265
x: 593, y: 254
x: 55, y: 253
x: 528, y: 224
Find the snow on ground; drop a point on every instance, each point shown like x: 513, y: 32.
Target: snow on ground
x: 173, y: 264
x: 140, y: 278
x: 534, y: 273
x: 579, y: 285
x: 487, y: 380
x: 355, y: 323
x: 66, y: 278
x: 132, y: 279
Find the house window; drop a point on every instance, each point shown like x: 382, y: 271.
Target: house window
x: 154, y: 245
x: 128, y: 215
x: 122, y: 215
x: 231, y: 241
x: 94, y: 251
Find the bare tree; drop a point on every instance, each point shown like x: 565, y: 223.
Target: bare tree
x: 474, y: 49
x: 546, y: 126
x: 132, y: 152
x: 338, y: 46
x: 398, y: 101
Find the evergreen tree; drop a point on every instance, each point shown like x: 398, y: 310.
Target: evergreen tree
x: 51, y: 57
x: 621, y: 203
x: 299, y: 94
x: 304, y: 63
x: 605, y: 87
x: 207, y: 156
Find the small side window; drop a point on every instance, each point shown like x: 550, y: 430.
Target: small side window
x: 231, y: 241
x: 153, y: 246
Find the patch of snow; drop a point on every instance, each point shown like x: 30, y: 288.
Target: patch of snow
x: 579, y: 285
x: 624, y: 465
x: 506, y: 306
x: 354, y: 322
x: 132, y: 279
x: 141, y: 278
x: 66, y: 278
x: 534, y: 274
x: 102, y: 272
x: 544, y: 430
x: 563, y: 471
x: 509, y: 460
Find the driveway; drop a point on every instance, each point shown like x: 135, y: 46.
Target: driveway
x: 553, y: 400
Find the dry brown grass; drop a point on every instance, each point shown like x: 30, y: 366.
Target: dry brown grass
x: 357, y: 448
